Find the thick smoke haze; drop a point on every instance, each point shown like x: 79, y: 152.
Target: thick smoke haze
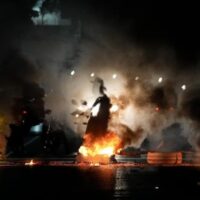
x: 144, y: 81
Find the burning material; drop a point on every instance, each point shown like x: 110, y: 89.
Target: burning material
x: 99, y: 149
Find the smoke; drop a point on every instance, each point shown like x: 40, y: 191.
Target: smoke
x: 18, y: 79
x: 147, y: 106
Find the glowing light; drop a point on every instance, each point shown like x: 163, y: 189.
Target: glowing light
x: 183, y: 87
x: 137, y: 78
x: 157, y: 109
x: 95, y: 148
x: 160, y: 80
x: 95, y: 110
x: 37, y: 128
x: 31, y: 163
x: 114, y: 76
x: 106, y: 151
x: 77, y: 115
x: 24, y: 112
x: 83, y: 150
x: 72, y: 73
x: 92, y: 74
x: 38, y: 5
x: 114, y: 108
x: 157, y: 187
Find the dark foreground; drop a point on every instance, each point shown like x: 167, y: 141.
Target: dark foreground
x: 99, y: 182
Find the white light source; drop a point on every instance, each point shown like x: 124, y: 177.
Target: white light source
x: 72, y: 73
x: 183, y: 87
x: 77, y: 115
x: 114, y: 76
x: 157, y: 187
x: 92, y: 74
x: 114, y: 108
x: 160, y: 80
x: 37, y: 128
x: 30, y: 163
x: 137, y: 78
x: 95, y: 110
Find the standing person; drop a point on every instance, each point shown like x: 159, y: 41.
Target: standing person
x: 98, y: 124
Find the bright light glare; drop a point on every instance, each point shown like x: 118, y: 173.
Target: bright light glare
x: 72, y: 73
x: 160, y: 80
x: 183, y: 87
x: 114, y: 108
x: 30, y: 163
x: 37, y: 128
x: 92, y: 74
x: 114, y: 76
x: 157, y: 187
x: 95, y: 110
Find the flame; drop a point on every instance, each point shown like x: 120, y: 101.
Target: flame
x: 95, y: 148
x: 30, y: 163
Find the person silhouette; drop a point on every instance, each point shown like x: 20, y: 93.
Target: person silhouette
x: 98, y: 124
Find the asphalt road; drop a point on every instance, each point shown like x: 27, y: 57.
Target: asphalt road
x: 99, y: 182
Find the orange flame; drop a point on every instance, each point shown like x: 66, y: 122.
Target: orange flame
x: 95, y: 148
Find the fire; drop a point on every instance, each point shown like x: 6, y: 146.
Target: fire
x: 97, y: 149
x: 30, y: 163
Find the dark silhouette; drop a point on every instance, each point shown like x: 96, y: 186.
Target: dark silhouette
x: 98, y: 124
x: 28, y: 111
x: 16, y: 140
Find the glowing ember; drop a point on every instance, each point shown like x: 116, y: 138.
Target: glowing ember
x: 31, y: 163
x: 99, y: 149
x: 94, y: 164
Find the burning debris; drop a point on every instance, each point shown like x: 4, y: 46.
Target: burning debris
x: 99, y: 149
x: 99, y: 144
